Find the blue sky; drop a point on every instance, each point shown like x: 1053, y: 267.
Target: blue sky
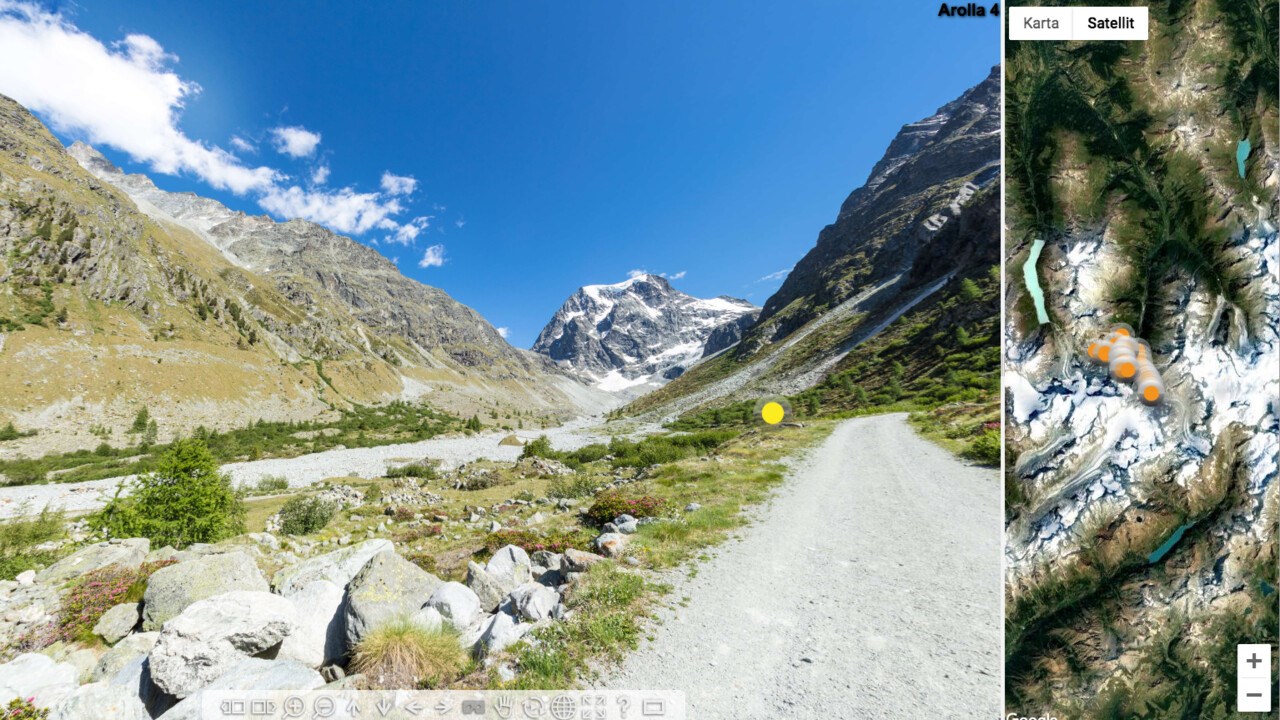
x: 550, y: 144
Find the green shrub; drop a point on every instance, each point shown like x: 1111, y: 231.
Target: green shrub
x: 22, y: 709
x: 9, y: 432
x: 19, y: 538
x: 185, y: 500
x: 533, y: 540
x: 610, y: 505
x: 305, y: 515
x: 403, y: 655
x: 413, y: 470
x: 99, y: 591
x: 572, y: 486
x: 985, y: 449
x: 271, y: 484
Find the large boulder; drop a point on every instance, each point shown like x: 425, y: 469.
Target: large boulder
x: 457, y: 603
x: 338, y: 567
x: 499, y: 632
x: 534, y: 602
x: 38, y: 677
x: 123, y: 653
x: 388, y: 587
x: 117, y: 622
x: 100, y: 701
x: 209, y: 637
x: 172, y: 589
x: 127, y: 553
x: 320, y: 638
x: 508, y: 569
x: 251, y: 675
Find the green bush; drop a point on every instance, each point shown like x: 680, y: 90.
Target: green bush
x: 533, y: 540
x: 185, y: 500
x: 305, y: 515
x: 271, y: 484
x: 413, y: 470
x: 402, y: 655
x: 572, y: 486
x: 19, y: 537
x: 985, y: 449
x: 99, y: 591
x: 610, y: 505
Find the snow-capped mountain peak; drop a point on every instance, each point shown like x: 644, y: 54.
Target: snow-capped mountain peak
x: 640, y: 331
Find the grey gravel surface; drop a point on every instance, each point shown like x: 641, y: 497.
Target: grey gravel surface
x: 869, y: 587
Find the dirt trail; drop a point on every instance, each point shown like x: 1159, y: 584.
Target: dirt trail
x: 868, y: 588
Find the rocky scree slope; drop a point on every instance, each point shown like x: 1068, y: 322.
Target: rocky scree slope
x: 212, y: 317
x: 640, y: 332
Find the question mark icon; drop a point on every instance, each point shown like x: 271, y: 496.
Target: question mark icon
x: 624, y: 702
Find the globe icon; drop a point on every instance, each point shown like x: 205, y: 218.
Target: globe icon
x: 563, y: 707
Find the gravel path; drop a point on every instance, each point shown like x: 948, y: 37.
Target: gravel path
x: 868, y: 588
x: 305, y: 469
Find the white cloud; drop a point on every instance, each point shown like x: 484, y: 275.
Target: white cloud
x: 459, y: 222
x: 398, y: 184
x: 675, y: 276
x: 243, y: 145
x: 633, y: 274
x: 504, y: 332
x: 408, y: 232
x: 124, y: 96
x: 434, y: 257
x: 295, y: 141
x: 127, y: 96
x: 344, y: 210
x: 773, y: 276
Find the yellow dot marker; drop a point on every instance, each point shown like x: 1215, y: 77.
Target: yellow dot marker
x: 772, y: 413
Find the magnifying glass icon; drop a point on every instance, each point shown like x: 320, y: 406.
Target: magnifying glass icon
x: 294, y: 707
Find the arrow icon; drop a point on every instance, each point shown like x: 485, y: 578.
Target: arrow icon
x: 385, y: 706
x: 444, y: 707
x: 414, y: 707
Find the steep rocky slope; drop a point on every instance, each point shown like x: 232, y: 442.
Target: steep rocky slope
x: 115, y: 294
x: 640, y: 332
x: 923, y: 223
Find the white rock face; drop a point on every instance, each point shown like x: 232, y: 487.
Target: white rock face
x: 39, y: 677
x: 456, y: 603
x: 100, y: 701
x: 126, y: 553
x: 337, y: 567
x: 172, y: 589
x: 320, y: 637
x: 535, y: 602
x: 251, y: 674
x: 640, y: 331
x: 214, y: 634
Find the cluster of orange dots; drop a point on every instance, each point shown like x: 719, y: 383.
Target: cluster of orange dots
x: 1129, y: 360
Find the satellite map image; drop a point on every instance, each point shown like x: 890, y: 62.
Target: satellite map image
x: 1141, y: 537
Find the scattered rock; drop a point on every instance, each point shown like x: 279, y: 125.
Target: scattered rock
x: 26, y: 578
x: 320, y: 637
x: 388, y: 587
x: 127, y: 553
x: 500, y: 632
x: 692, y: 507
x: 338, y: 567
x: 83, y: 660
x: 428, y: 618
x: 457, y: 603
x: 213, y: 635
x: 611, y: 544
x: 626, y: 524
x: 117, y: 622
x: 576, y: 561
x: 172, y: 589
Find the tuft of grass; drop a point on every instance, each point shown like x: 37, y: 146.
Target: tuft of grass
x: 401, y: 655
x: 418, y: 470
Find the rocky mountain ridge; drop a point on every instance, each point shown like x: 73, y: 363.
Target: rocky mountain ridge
x: 640, y: 331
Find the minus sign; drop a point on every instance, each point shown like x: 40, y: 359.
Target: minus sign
x: 1253, y: 694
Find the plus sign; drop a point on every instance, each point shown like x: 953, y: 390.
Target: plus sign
x: 1253, y: 661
